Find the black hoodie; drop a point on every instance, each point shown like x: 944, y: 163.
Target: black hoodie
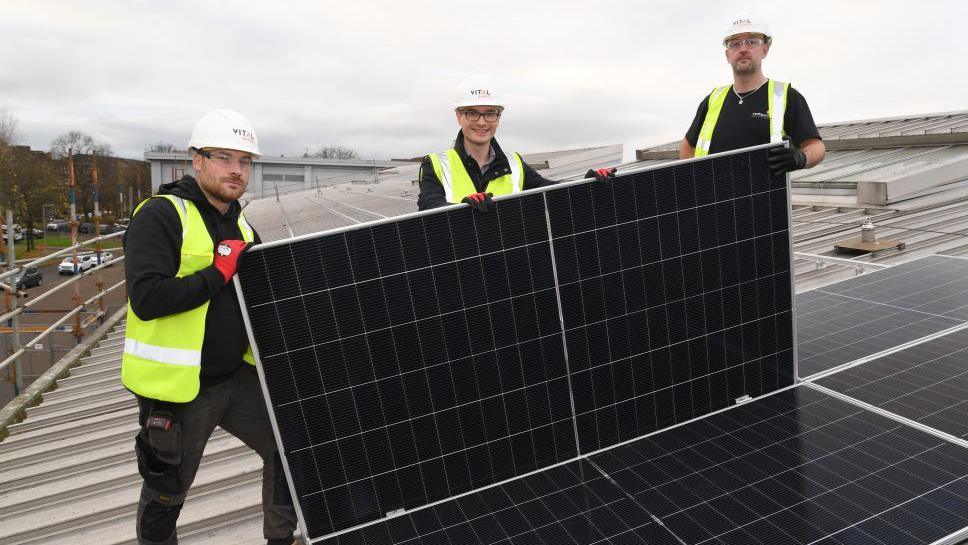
x: 432, y: 192
x: 152, y: 249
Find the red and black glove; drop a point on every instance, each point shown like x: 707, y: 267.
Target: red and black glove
x: 478, y: 201
x: 227, y: 256
x: 601, y: 174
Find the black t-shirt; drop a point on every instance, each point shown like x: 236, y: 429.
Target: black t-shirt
x: 748, y: 124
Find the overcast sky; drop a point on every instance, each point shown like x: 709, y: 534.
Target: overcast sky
x: 381, y: 76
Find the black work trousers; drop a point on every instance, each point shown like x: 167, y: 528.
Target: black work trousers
x: 169, y: 459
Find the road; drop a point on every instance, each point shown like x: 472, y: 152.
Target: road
x: 39, y: 359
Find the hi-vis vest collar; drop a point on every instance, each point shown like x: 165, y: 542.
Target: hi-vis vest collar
x: 776, y: 103
x: 458, y: 184
x: 163, y: 357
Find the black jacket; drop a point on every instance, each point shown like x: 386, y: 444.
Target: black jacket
x: 432, y: 192
x: 152, y: 248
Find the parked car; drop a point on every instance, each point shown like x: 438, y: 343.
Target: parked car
x: 105, y: 257
x: 57, y: 225
x: 29, y: 278
x: 37, y: 233
x: 18, y: 233
x: 85, y: 227
x: 84, y: 262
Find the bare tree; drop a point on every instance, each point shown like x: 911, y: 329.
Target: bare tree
x: 161, y: 147
x: 8, y: 128
x: 335, y: 152
x: 82, y: 144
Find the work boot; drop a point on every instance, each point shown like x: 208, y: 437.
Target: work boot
x: 285, y: 541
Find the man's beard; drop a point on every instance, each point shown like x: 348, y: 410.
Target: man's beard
x: 745, y: 68
x: 214, y: 188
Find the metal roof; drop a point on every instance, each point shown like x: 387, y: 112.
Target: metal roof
x: 877, y: 161
x: 68, y: 471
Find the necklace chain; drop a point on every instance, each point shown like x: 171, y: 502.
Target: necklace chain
x: 744, y: 95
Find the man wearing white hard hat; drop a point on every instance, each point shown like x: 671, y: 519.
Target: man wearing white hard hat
x: 754, y: 109
x: 186, y: 355
x: 476, y: 168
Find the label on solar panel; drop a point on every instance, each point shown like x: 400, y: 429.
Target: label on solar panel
x: 412, y: 360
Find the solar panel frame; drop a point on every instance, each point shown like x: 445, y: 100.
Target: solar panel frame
x: 295, y: 240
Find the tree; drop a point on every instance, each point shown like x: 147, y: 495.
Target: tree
x: 335, y: 152
x: 81, y: 143
x: 161, y: 147
x: 28, y: 181
x: 8, y: 128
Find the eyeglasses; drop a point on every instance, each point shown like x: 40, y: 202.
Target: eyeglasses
x: 748, y: 42
x: 474, y: 115
x: 225, y: 160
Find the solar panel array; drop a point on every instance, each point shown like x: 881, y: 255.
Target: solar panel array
x: 795, y: 467
x: 411, y: 361
x: 856, y: 318
x: 927, y: 383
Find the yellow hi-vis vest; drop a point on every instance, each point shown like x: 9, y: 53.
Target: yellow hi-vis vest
x: 776, y: 103
x: 457, y: 183
x: 163, y: 357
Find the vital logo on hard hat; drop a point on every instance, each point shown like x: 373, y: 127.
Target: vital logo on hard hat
x: 748, y: 25
x: 245, y: 135
x: 225, y: 129
x: 477, y: 90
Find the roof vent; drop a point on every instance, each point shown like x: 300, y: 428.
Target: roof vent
x: 867, y: 243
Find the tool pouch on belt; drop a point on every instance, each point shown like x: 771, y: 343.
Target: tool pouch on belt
x: 159, y: 451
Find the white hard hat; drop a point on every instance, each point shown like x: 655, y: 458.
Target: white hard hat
x: 477, y: 90
x: 226, y: 129
x: 748, y: 25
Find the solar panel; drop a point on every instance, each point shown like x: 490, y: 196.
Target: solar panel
x: 935, y: 284
x: 397, y: 375
x: 927, y: 383
x: 413, y: 360
x: 862, y: 316
x: 797, y: 467
x: 675, y: 293
x: 833, y: 330
x: 571, y: 503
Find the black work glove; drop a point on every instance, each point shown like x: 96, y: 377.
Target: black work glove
x: 478, y: 201
x: 783, y: 160
x: 602, y: 174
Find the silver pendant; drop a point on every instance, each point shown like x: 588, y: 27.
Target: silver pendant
x: 740, y: 101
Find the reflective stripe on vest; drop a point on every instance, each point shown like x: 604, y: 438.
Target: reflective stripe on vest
x: 457, y: 183
x: 777, y: 93
x: 162, y: 357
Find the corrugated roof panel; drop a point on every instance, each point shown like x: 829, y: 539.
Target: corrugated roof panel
x: 921, y: 160
x: 862, y: 161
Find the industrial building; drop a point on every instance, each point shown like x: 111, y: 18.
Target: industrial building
x: 271, y: 175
